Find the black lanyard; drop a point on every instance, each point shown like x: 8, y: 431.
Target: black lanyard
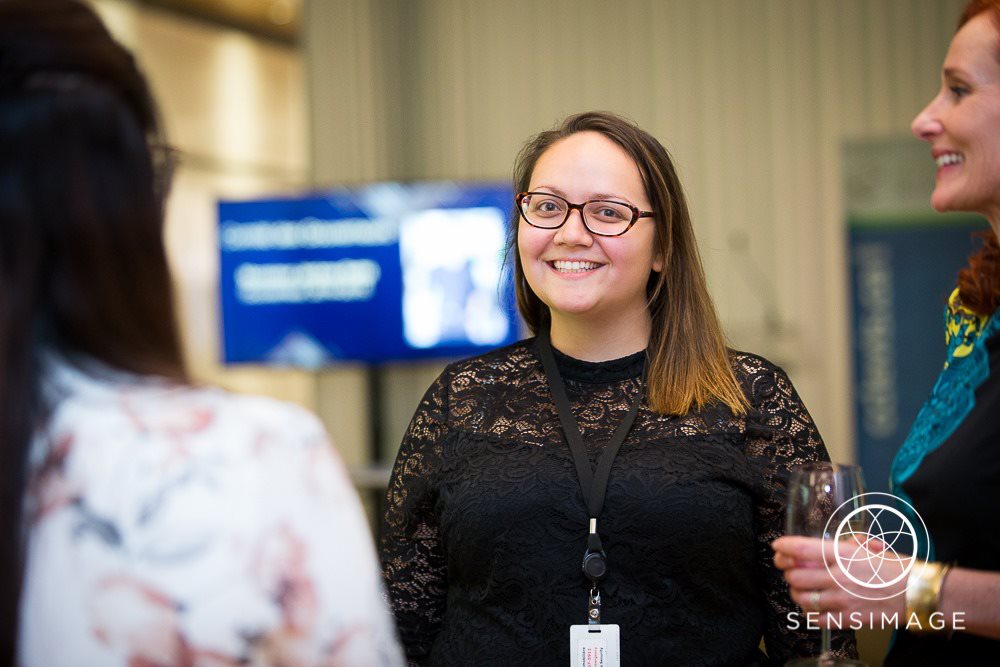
x: 593, y: 484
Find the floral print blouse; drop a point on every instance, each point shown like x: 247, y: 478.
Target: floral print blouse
x: 186, y: 526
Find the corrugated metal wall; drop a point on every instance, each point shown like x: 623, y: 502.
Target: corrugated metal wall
x: 753, y: 98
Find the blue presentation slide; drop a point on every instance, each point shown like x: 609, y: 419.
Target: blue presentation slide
x: 383, y: 272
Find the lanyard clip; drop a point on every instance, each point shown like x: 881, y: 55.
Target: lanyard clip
x: 594, y: 609
x: 595, y: 561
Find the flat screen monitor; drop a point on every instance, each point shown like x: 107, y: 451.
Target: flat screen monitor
x: 383, y: 272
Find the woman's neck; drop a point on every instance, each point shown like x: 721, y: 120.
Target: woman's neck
x: 587, y: 340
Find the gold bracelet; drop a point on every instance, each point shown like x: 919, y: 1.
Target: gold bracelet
x: 923, y: 596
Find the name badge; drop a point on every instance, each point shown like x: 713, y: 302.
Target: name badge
x: 594, y: 646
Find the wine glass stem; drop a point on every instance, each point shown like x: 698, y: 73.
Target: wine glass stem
x: 824, y: 645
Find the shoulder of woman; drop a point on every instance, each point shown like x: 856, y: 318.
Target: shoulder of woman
x: 176, y: 463
x: 750, y: 367
x: 140, y: 418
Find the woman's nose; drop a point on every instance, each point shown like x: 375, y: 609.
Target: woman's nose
x: 574, y: 231
x: 926, y: 125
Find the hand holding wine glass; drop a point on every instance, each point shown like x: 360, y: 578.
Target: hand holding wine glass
x: 816, y: 491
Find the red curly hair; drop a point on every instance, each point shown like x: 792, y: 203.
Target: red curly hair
x: 979, y: 282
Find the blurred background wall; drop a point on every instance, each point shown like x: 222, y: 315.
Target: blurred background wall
x: 234, y: 105
x: 754, y: 98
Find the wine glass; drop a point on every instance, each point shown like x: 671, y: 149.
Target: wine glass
x: 815, y: 492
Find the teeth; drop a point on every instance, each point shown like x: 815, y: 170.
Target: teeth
x: 561, y: 265
x: 949, y: 158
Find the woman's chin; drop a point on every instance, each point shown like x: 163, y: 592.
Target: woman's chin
x: 941, y: 202
x: 946, y: 199
x: 573, y: 311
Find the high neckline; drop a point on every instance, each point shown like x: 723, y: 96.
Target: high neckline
x: 600, y: 372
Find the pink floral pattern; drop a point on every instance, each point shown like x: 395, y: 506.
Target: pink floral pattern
x: 187, y: 526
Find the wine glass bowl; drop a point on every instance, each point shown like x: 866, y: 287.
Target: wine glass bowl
x: 815, y: 492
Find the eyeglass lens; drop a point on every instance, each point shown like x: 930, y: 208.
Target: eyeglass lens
x: 600, y: 216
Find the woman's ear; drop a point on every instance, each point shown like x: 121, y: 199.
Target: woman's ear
x: 658, y: 262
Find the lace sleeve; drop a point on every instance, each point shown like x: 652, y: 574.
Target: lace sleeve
x: 413, y: 562
x: 781, y: 435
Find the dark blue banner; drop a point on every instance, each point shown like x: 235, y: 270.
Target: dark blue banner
x: 903, y: 268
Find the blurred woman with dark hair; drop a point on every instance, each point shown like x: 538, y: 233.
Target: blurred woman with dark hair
x: 144, y: 521
x: 949, y: 465
x: 499, y: 535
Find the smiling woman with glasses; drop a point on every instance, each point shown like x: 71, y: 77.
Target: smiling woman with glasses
x: 611, y: 486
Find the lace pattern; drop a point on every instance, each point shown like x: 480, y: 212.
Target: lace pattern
x: 485, y: 522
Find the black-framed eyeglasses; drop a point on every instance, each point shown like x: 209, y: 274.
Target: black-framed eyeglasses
x: 603, y: 217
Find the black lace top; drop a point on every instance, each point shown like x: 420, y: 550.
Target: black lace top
x: 486, y: 523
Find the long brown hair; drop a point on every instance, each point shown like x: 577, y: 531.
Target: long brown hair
x: 979, y: 282
x: 83, y: 271
x: 688, y: 360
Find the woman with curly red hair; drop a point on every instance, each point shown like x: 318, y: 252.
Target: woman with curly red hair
x: 949, y: 465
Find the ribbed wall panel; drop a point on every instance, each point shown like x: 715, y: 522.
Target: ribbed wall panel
x: 754, y: 99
